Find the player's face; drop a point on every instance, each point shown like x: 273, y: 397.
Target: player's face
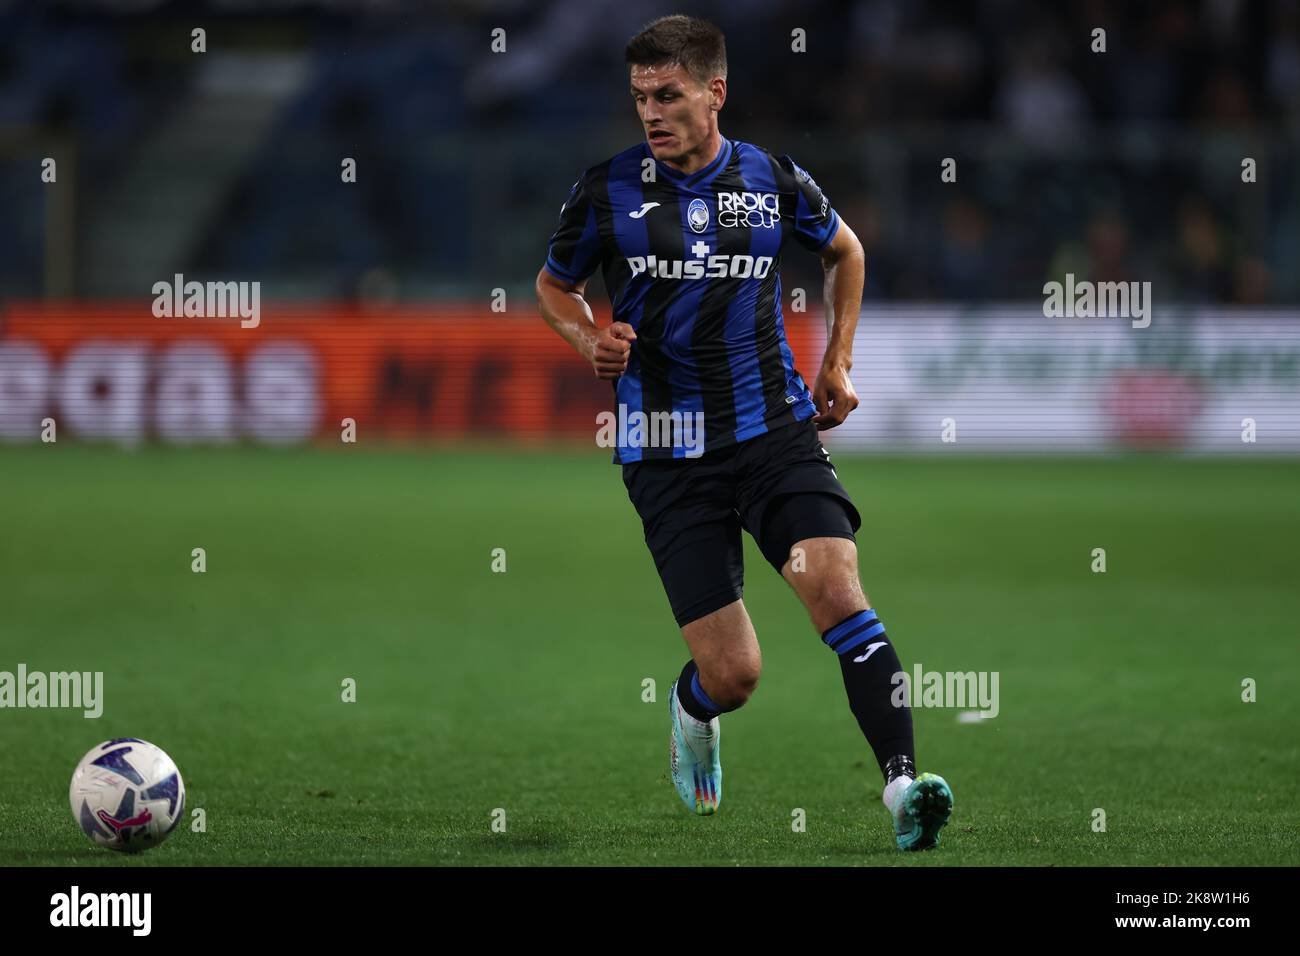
x: 678, y: 113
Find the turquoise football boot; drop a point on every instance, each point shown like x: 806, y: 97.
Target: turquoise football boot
x: 693, y: 758
x: 921, y: 812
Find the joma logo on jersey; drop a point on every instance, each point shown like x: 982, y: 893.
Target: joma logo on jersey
x: 751, y: 210
x: 715, y: 267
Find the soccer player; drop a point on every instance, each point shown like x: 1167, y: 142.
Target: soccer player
x: 717, y: 430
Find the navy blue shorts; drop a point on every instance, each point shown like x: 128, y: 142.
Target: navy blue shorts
x: 778, y: 486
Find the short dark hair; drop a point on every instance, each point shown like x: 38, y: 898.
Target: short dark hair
x: 697, y: 45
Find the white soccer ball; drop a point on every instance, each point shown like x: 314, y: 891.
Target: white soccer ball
x: 126, y: 794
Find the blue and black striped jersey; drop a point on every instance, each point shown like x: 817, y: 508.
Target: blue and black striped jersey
x: 691, y: 263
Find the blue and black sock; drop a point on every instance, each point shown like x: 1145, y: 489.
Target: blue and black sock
x: 869, y: 663
x: 694, y: 701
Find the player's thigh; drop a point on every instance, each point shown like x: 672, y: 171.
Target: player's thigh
x: 809, y: 538
x: 693, y: 533
x: 824, y: 574
x: 789, y: 492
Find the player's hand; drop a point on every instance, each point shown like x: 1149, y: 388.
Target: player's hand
x: 612, y: 349
x: 834, y: 397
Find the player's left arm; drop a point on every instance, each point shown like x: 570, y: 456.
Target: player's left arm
x: 845, y: 266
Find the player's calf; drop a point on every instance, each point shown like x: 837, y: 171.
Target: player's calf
x: 725, y: 662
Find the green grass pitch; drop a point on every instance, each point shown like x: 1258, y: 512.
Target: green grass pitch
x: 523, y: 690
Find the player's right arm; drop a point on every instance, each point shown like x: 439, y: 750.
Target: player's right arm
x: 565, y: 310
x: 574, y: 253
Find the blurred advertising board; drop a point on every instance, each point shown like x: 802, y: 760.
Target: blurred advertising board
x: 117, y: 373
x: 929, y: 378
x: 1010, y: 379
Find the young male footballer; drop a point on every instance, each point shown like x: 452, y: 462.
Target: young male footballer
x: 718, y: 431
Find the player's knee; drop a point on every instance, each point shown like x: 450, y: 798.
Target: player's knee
x: 735, y: 684
x: 833, y: 594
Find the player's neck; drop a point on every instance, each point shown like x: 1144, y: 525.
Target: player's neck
x: 699, y: 158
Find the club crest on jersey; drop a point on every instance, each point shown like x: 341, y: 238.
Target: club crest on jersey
x: 697, y: 214
x: 749, y: 210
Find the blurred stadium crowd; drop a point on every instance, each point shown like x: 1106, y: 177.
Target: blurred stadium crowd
x: 1117, y: 165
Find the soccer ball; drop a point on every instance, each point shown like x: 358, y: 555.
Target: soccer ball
x: 127, y: 794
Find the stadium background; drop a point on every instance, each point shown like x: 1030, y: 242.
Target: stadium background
x: 404, y: 301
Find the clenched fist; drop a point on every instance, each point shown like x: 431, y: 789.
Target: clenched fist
x: 834, y: 397
x: 611, y: 349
